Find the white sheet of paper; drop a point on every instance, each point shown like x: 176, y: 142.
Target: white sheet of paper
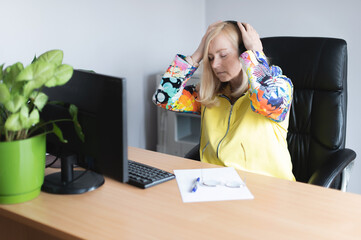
x: 186, y: 179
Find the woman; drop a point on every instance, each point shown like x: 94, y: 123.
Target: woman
x: 243, y: 102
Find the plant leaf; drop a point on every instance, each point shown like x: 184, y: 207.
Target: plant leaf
x: 52, y: 56
x: 30, y: 87
x: 40, y: 100
x: 4, y: 93
x: 37, y: 74
x: 37, y: 71
x: 15, y: 103
x: 34, y: 118
x: 28, y: 120
x: 33, y: 95
x: 62, y: 75
x: 58, y: 133
x: 1, y: 71
x: 13, y: 123
x: 73, y: 110
x: 24, y: 114
x: 34, y: 59
x: 12, y: 72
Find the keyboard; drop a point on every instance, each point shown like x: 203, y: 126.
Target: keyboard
x: 145, y: 176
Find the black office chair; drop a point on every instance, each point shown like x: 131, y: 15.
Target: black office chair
x: 317, y: 127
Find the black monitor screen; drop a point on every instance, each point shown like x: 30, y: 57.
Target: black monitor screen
x: 101, y: 101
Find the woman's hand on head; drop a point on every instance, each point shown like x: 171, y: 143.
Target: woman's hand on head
x: 250, y: 37
x: 198, y: 54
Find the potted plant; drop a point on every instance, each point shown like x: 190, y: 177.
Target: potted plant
x: 22, y: 133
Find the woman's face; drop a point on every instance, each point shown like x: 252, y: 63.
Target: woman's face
x: 224, y: 59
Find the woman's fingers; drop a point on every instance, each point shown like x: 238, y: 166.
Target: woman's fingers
x: 250, y: 37
x: 198, y: 54
x: 210, y: 27
x: 241, y: 27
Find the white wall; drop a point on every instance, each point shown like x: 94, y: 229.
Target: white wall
x: 324, y: 18
x: 135, y: 39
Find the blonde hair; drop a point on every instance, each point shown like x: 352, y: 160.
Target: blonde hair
x: 210, y: 85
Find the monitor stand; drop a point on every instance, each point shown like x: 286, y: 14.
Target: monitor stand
x: 68, y: 181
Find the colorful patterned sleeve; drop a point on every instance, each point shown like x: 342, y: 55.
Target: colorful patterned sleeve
x: 270, y: 91
x: 172, y: 94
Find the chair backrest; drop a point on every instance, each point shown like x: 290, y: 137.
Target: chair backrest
x: 318, y: 69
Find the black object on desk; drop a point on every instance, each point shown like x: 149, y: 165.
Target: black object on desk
x: 145, y: 176
x: 101, y: 102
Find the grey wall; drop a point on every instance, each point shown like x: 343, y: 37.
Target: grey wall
x: 135, y: 39
x: 324, y: 18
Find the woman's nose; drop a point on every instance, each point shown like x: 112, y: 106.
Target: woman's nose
x: 215, y: 63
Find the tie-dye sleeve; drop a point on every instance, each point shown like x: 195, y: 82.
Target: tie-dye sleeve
x: 172, y: 94
x: 270, y: 91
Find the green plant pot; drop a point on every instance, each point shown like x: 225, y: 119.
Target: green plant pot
x: 22, y: 166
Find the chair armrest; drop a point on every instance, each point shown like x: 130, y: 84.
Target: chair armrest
x: 193, y: 153
x: 327, y: 173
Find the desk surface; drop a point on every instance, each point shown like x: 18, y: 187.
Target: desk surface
x: 280, y: 210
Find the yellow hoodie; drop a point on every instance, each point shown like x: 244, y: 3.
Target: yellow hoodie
x: 235, y: 136
x: 249, y: 134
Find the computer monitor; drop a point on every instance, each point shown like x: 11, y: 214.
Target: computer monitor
x: 101, y: 101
